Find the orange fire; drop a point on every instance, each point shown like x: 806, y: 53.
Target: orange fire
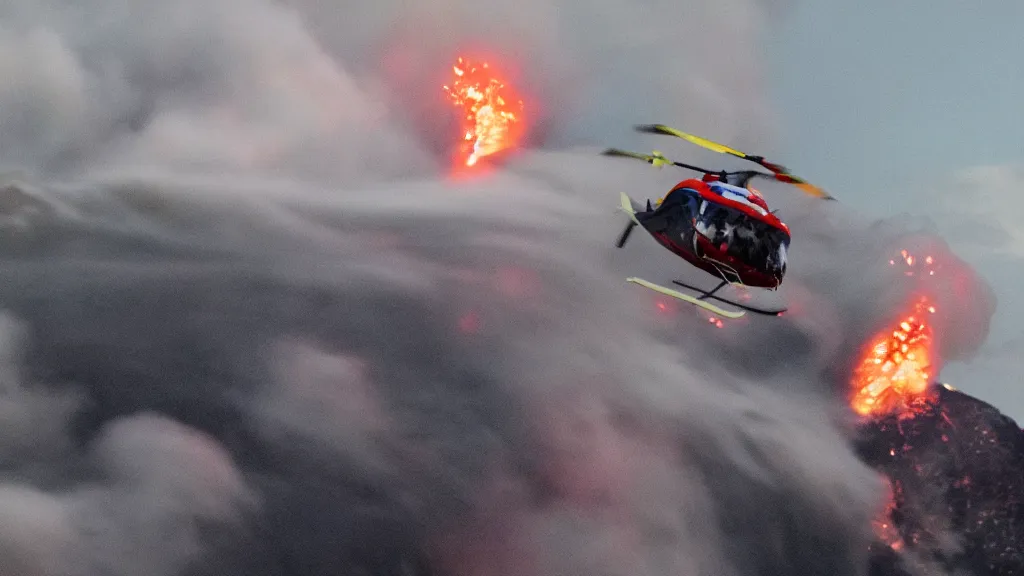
x: 492, y: 112
x: 896, y: 371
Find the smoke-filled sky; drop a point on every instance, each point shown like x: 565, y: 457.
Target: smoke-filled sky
x: 251, y: 327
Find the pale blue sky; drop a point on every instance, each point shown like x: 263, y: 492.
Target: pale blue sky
x: 884, y: 102
x: 902, y: 93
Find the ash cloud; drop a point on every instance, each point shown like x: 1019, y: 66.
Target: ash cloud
x: 345, y: 95
x: 252, y: 329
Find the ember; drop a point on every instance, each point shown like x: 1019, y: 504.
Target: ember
x: 915, y: 264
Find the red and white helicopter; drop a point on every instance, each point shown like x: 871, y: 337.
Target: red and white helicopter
x: 717, y: 223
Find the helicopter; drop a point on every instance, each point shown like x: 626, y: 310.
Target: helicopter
x: 717, y: 223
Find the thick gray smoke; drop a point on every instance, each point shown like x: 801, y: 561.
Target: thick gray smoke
x: 252, y: 329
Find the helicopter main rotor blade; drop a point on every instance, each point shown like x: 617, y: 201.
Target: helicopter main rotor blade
x: 782, y: 173
x: 807, y: 188
x: 693, y: 139
x: 813, y: 190
x: 655, y: 158
x: 649, y: 158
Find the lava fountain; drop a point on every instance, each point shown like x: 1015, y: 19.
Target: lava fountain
x: 492, y: 112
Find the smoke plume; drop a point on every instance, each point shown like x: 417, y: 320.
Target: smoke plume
x: 251, y: 327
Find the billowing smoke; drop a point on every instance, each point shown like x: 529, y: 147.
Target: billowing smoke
x: 252, y: 329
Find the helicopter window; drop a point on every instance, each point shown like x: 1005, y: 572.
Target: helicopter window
x: 690, y: 207
x: 750, y: 240
x: 680, y: 207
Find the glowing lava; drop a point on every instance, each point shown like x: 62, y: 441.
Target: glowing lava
x: 492, y: 112
x: 895, y: 374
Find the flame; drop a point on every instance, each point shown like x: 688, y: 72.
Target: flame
x: 492, y: 112
x: 895, y: 372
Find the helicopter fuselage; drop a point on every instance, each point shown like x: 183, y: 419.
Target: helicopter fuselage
x: 721, y: 233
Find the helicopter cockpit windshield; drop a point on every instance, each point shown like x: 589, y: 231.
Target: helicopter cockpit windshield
x: 762, y: 246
